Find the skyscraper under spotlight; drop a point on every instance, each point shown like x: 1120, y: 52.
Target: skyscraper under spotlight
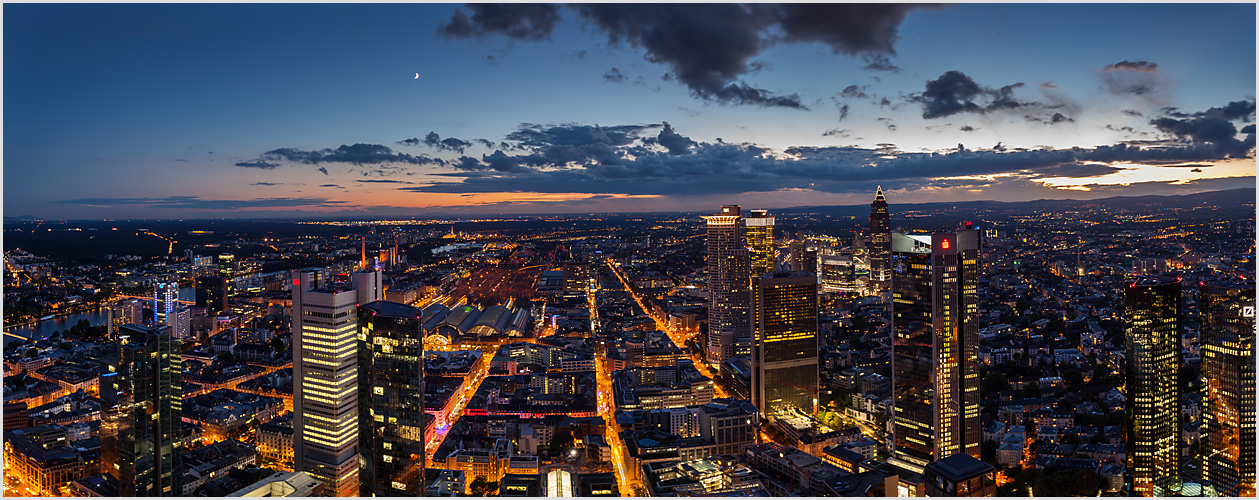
x: 729, y: 332
x: 760, y: 236
x: 1228, y: 368
x: 169, y: 312
x: 784, y: 349
x: 141, y: 414
x: 1152, y: 385
x: 391, y: 410
x: 935, y: 346
x: 325, y: 376
x: 880, y: 243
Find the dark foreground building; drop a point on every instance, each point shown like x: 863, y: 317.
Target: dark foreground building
x: 391, y: 410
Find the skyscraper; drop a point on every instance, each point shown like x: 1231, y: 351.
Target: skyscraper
x: 391, y: 410
x: 1228, y: 397
x: 729, y: 332
x: 880, y: 244
x: 325, y: 376
x: 760, y: 237
x: 212, y: 293
x: 784, y: 350
x: 935, y: 345
x: 142, y: 414
x: 167, y: 310
x: 1152, y: 385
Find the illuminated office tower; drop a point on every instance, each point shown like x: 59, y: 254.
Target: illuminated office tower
x: 760, y: 236
x: 124, y: 312
x: 325, y: 376
x: 879, y: 247
x: 729, y: 332
x: 1152, y: 385
x: 1228, y: 367
x: 836, y: 270
x: 391, y: 410
x: 784, y: 352
x: 142, y: 414
x: 211, y: 293
x: 169, y: 312
x: 935, y: 346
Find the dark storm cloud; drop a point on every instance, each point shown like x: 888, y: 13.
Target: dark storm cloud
x: 1138, y: 78
x: 676, y: 143
x: 707, y: 47
x: 1213, y: 128
x: 357, y: 154
x: 954, y: 92
x: 517, y: 21
x: 197, y: 203
x: 614, y: 75
x: 265, y: 165
x: 435, y: 141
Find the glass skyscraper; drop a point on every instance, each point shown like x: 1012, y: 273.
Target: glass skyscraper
x: 1228, y: 394
x: 935, y: 346
x: 880, y: 245
x: 1152, y: 385
x: 729, y: 328
x: 141, y: 414
x: 760, y: 236
x: 784, y: 353
x: 391, y: 410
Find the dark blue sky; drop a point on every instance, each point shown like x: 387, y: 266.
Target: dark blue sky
x: 226, y: 110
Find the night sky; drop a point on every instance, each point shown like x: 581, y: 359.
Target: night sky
x: 240, y: 110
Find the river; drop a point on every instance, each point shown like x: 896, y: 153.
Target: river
x: 63, y: 323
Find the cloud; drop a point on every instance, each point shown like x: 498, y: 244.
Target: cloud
x: 267, y: 184
x: 331, y: 186
x: 731, y: 37
x: 614, y: 75
x: 382, y: 181
x: 843, y: 111
x: 435, y: 141
x: 197, y: 203
x: 357, y: 154
x: 265, y: 165
x: 414, y: 141
x: 1132, y: 112
x: 516, y: 21
x: 954, y: 92
x: 1056, y: 118
x: 624, y: 159
x: 1213, y: 128
x: 881, y: 63
x: 1138, y: 78
x: 968, y: 128
x: 836, y: 132
x: 1142, y: 66
x: 854, y: 92
x: 324, y: 170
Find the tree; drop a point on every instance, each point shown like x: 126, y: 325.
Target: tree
x: 480, y: 487
x: 277, y: 344
x: 995, y: 382
x: 226, y: 358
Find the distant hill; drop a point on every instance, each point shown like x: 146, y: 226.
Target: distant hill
x: 16, y: 218
x: 1232, y: 198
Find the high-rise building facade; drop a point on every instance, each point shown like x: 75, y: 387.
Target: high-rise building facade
x: 935, y: 345
x: 1228, y: 395
x: 1152, y: 385
x: 760, y: 239
x: 729, y: 332
x: 142, y: 414
x: 325, y: 376
x: 125, y: 312
x: 784, y: 349
x: 391, y: 391
x: 879, y: 247
x: 211, y: 293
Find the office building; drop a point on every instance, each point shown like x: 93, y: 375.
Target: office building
x: 935, y: 346
x: 960, y: 475
x: 142, y: 415
x: 1228, y: 397
x: 125, y: 312
x: 1152, y: 385
x: 212, y: 293
x: 325, y: 376
x: 576, y: 277
x: 391, y: 410
x: 760, y: 240
x: 836, y: 271
x: 729, y: 332
x: 784, y: 353
x: 879, y: 248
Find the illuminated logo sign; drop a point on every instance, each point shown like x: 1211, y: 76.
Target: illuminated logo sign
x: 1248, y: 311
x: 944, y: 244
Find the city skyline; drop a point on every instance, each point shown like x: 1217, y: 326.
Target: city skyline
x: 191, y: 111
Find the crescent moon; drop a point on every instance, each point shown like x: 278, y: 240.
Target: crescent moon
x: 417, y: 76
